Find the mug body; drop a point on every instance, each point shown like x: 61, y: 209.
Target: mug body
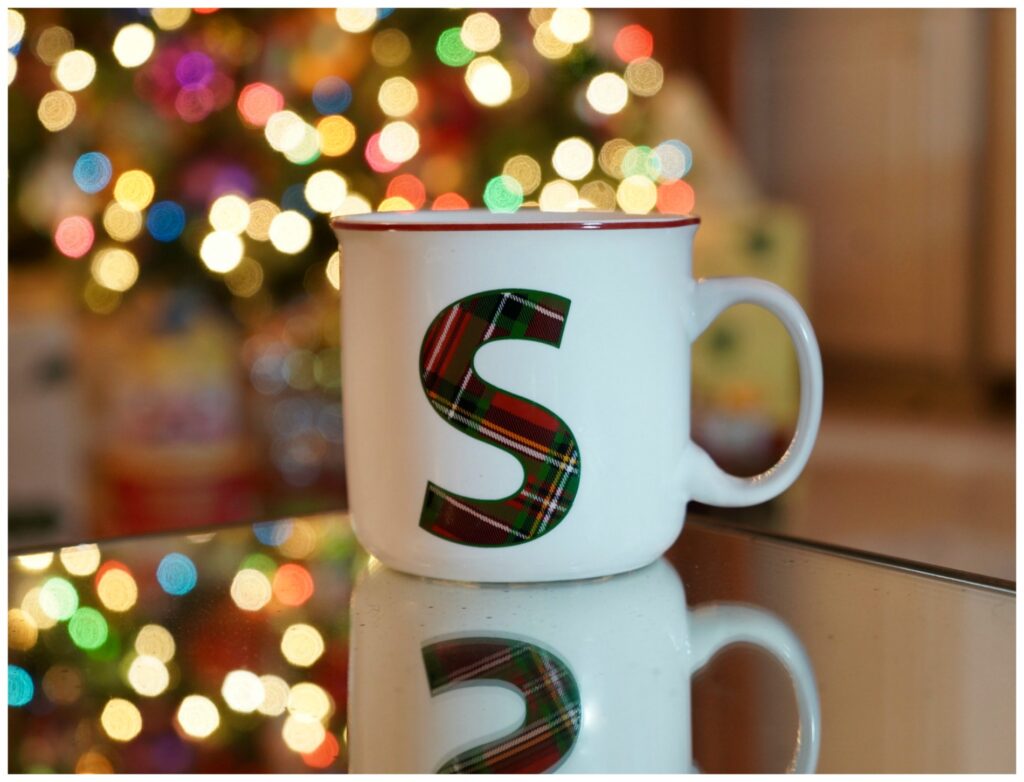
x: 516, y: 390
x: 588, y: 676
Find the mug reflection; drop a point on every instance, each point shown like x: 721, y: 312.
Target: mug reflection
x: 587, y: 676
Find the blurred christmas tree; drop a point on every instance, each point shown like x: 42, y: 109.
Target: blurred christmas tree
x: 207, y: 147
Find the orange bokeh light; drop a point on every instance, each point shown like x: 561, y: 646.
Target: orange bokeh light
x: 293, y: 585
x: 410, y: 188
x: 676, y: 198
x: 447, y: 202
x: 324, y: 755
x: 633, y: 42
x: 257, y: 102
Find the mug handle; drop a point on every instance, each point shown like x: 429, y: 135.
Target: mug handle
x: 717, y: 625
x: 709, y: 483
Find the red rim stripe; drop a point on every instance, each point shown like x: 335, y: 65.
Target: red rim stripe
x: 593, y: 225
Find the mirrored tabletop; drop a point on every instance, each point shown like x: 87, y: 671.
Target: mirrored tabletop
x: 283, y: 647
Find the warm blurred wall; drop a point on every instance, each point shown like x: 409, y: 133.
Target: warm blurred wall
x: 894, y: 130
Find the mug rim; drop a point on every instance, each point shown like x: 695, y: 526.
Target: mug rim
x: 525, y: 220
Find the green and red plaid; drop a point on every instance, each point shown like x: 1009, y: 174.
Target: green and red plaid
x: 553, y: 711
x: 539, y: 439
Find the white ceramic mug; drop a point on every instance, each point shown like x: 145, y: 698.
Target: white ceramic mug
x: 516, y: 390
x: 582, y: 676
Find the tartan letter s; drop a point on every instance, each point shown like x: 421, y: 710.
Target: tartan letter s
x: 553, y: 706
x: 539, y: 439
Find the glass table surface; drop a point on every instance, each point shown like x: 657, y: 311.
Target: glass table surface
x: 284, y: 647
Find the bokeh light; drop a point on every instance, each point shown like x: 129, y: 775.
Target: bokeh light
x: 246, y: 279
x: 571, y: 25
x: 92, y: 172
x: 20, y: 688
x: 641, y: 160
x: 409, y: 187
x: 325, y: 191
x: 290, y: 232
x: 548, y: 44
x: 176, y: 574
x: 15, y: 28
x: 607, y: 93
x: 558, y: 196
x: 121, y: 224
x: 356, y: 20
x: 503, y: 194
x: 221, y: 251
x: 170, y: 18
x: 117, y: 589
x: 525, y: 170
x: 395, y: 204
x: 81, y: 560
x: 87, y: 628
x: 332, y: 95
x: 148, y: 676
x: 449, y: 202
x: 93, y: 762
x: 155, y: 641
x: 674, y: 159
x: 58, y: 598
x: 242, y: 691
x: 165, y: 221
x: 302, y: 734
x: 62, y: 684
x: 480, y: 32
x: 599, y: 195
x: 399, y: 141
x: 309, y: 700
x: 115, y: 268
x: 676, y: 198
x: 337, y: 135
x: 22, y: 630
x: 293, y: 584
x: 52, y: 43
x: 284, y: 130
x: 633, y: 42
x: 31, y: 606
x: 35, y: 563
x: 355, y: 204
x: 333, y: 270
x: 261, y: 214
x: 74, y: 236
x: 375, y: 157
x: 57, y: 110
x: 390, y: 48
x: 121, y: 719
x: 258, y: 102
x: 451, y: 50
x: 134, y: 190
x: 275, y: 695
x: 636, y: 194
x: 100, y: 300
x: 273, y: 533
x: 198, y: 716
x: 397, y: 96
x: 302, y: 645
x: 489, y: 81
x: 194, y: 69
x: 75, y: 70
x: 573, y: 158
x: 229, y: 213
x: 133, y: 45
x: 307, y: 150
x: 645, y: 77
x: 250, y: 589
x: 324, y: 755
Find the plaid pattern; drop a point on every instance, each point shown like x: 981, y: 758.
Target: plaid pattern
x: 553, y: 710
x: 538, y: 438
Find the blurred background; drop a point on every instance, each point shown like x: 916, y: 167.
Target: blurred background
x: 173, y: 281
